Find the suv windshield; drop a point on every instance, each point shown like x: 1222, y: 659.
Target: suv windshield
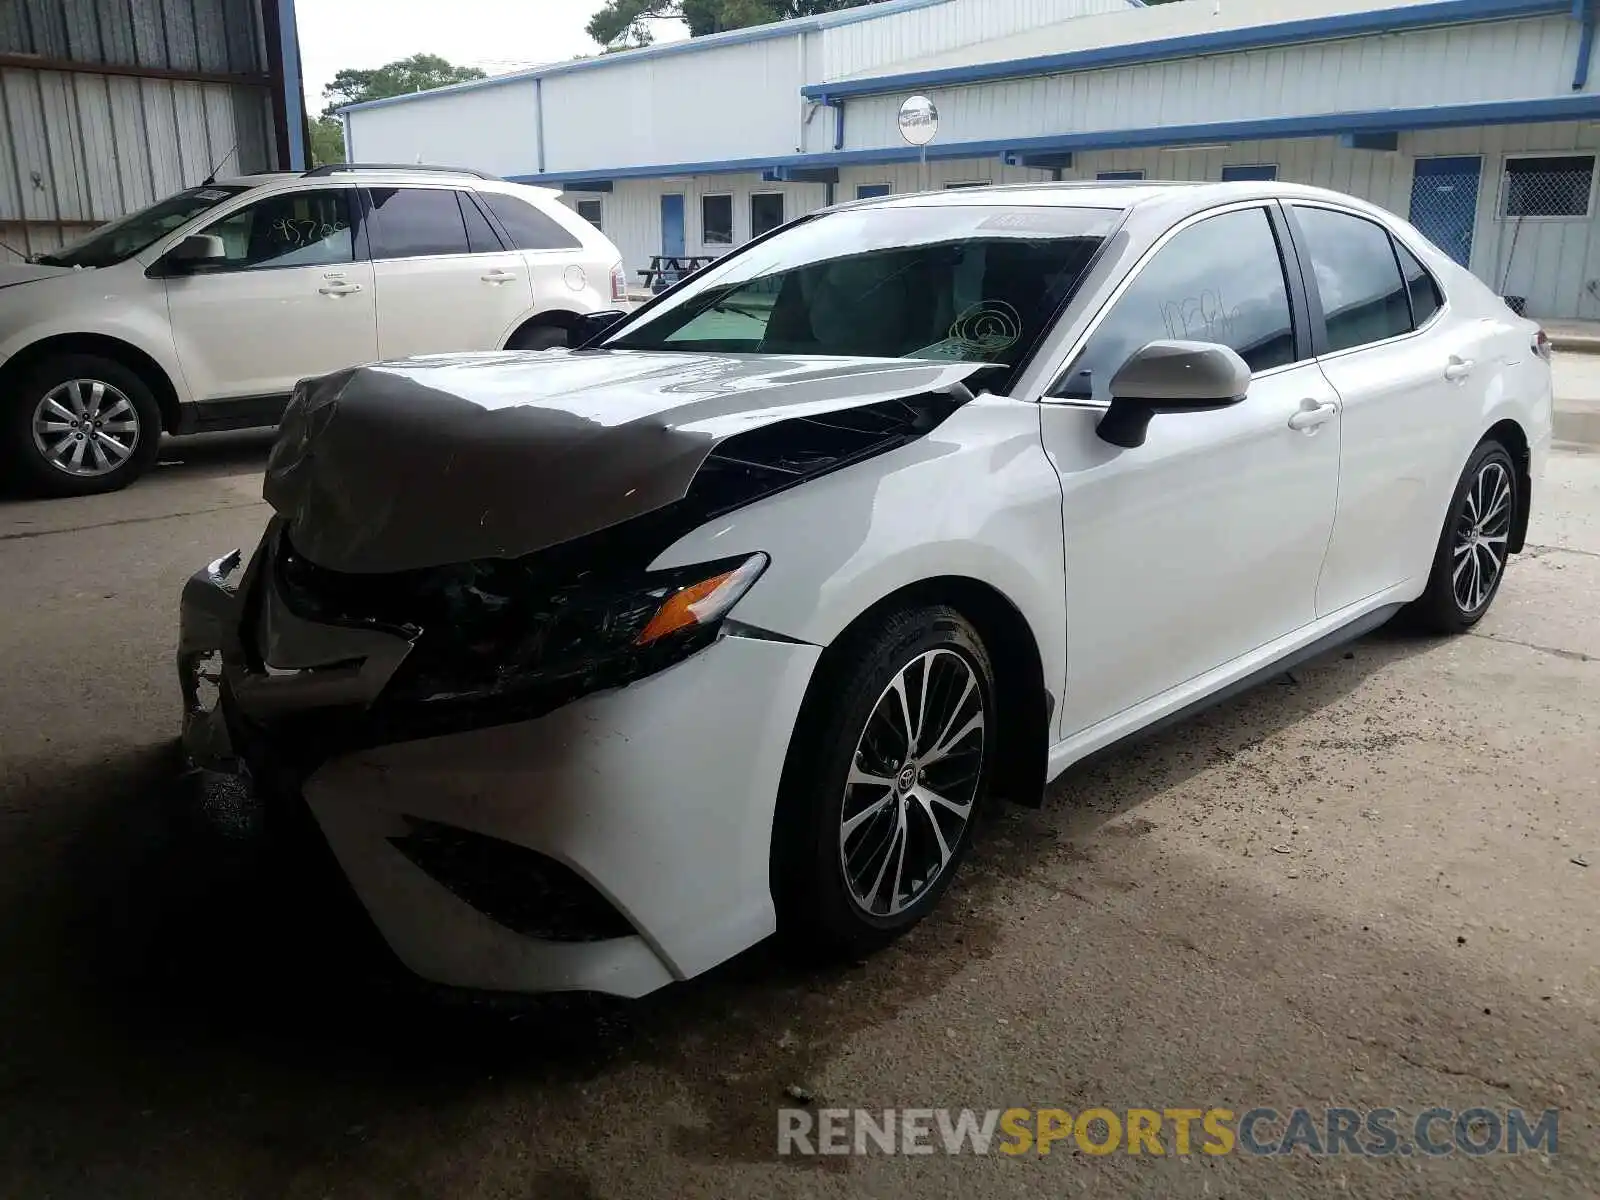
x: 126, y: 236
x: 967, y: 283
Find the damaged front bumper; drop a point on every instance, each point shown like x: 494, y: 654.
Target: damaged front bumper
x: 613, y: 842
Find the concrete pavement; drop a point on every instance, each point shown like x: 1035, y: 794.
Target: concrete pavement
x: 1352, y: 887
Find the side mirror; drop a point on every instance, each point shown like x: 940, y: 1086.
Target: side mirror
x: 197, y: 250
x: 1170, y: 377
x: 592, y: 325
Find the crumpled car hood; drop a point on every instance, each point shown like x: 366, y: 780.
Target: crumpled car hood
x: 451, y: 458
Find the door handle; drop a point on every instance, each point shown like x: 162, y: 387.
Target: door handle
x: 1457, y: 368
x: 498, y: 276
x: 339, y: 288
x: 1313, y: 413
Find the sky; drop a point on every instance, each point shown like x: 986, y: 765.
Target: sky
x: 493, y: 35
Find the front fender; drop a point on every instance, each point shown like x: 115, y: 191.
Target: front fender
x: 976, y: 498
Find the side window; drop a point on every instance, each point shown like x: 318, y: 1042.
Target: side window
x: 529, y: 228
x: 592, y: 211
x: 481, y: 237
x: 1363, y: 296
x: 291, y: 229
x: 1220, y: 280
x: 1424, y: 290
x: 416, y: 222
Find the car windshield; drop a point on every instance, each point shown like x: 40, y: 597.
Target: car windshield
x: 126, y: 236
x: 966, y: 283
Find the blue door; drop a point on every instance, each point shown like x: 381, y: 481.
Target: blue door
x: 672, y: 243
x: 1250, y: 171
x: 865, y: 191
x: 1444, y: 202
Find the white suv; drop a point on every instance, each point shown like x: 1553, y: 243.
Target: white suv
x: 202, y: 312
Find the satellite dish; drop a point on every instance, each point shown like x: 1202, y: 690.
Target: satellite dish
x: 918, y: 120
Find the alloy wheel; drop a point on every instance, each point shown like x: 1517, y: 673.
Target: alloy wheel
x: 913, y: 781
x: 1483, y: 530
x: 85, y: 427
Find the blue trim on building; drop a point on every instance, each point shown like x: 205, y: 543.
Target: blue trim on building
x: 712, y: 41
x: 1504, y: 112
x: 294, y: 100
x: 1583, y: 11
x: 1387, y: 20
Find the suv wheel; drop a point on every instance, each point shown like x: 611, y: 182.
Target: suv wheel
x: 81, y: 424
x: 537, y: 337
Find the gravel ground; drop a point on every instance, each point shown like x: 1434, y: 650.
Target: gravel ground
x: 1355, y: 886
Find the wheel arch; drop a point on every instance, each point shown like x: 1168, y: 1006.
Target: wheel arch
x: 152, y: 373
x: 558, y: 318
x: 1026, y: 705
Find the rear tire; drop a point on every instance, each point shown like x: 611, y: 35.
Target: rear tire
x: 1470, y: 560
x: 537, y: 337
x: 872, y: 825
x: 79, y: 425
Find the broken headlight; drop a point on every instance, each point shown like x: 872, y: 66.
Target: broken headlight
x: 492, y: 629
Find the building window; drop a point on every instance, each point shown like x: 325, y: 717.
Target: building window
x: 1112, y: 176
x: 1547, y: 186
x: 866, y: 191
x: 592, y: 211
x: 716, y: 220
x: 766, y: 212
x: 1250, y: 171
x: 970, y: 183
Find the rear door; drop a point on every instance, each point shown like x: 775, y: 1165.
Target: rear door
x: 443, y: 277
x: 561, y: 272
x: 1404, y: 372
x: 1205, y: 543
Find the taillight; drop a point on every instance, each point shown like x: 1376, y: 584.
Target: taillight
x: 1541, y: 345
x: 619, y: 282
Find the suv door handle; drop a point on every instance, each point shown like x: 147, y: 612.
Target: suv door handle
x: 339, y: 287
x: 498, y: 276
x: 1457, y: 368
x: 1313, y: 413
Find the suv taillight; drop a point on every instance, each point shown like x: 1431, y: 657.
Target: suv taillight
x: 1541, y: 345
x: 619, y: 282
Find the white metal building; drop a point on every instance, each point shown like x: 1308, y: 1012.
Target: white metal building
x: 1477, y: 119
x: 109, y: 105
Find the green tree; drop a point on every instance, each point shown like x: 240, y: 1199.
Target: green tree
x: 327, y: 141
x: 419, y: 73
x: 626, y: 23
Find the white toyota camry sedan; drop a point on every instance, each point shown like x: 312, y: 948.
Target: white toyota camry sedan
x: 595, y: 667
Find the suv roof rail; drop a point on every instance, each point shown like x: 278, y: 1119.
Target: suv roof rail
x: 336, y: 168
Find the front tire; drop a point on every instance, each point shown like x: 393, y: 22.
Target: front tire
x: 79, y: 425
x: 887, y: 772
x: 1470, y: 560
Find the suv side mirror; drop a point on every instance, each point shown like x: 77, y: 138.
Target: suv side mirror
x: 1170, y: 377
x: 197, y: 250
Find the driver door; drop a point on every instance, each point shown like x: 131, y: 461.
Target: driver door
x: 1206, y: 542
x: 292, y: 297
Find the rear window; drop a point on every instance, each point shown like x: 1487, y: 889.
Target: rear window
x: 529, y: 228
x: 951, y: 283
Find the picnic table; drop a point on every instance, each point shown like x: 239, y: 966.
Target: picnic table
x: 666, y: 269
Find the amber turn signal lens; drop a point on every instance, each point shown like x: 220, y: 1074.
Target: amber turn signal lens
x: 703, y: 602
